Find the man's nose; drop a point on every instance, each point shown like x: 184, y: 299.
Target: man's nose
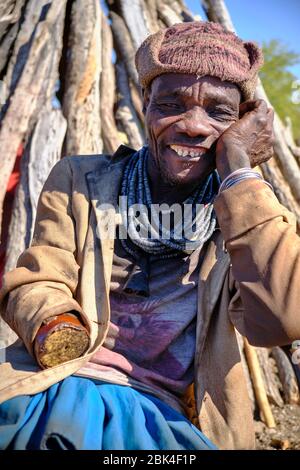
x: 194, y: 123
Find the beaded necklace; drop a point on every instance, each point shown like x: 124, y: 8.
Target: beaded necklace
x: 163, y: 243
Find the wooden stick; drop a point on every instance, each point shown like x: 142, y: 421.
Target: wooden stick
x: 287, y: 376
x: 250, y: 390
x: 151, y: 15
x: 258, y: 385
x: 273, y: 175
x: 288, y: 164
x: 216, y: 11
x: 7, y: 43
x: 125, y: 114
x: 137, y: 102
x: 123, y: 45
x: 294, y: 359
x: 289, y: 138
x: 270, y: 379
x: 81, y: 101
x: 10, y: 13
x: 168, y: 15
x: 32, y: 88
x: 132, y: 13
x: 40, y: 155
x: 110, y: 137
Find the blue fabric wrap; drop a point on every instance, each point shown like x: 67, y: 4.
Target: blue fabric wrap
x: 78, y: 413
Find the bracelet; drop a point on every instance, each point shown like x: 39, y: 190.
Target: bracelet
x: 56, y: 323
x: 239, y: 172
x: 61, y: 320
x: 239, y: 175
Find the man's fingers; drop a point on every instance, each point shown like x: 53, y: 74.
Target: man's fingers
x: 246, y: 106
x: 270, y: 114
x: 253, y: 105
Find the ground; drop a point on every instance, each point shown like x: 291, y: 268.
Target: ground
x: 286, y: 435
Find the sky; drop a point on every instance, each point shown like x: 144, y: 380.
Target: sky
x: 263, y: 20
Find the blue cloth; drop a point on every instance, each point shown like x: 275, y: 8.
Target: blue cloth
x: 78, y: 413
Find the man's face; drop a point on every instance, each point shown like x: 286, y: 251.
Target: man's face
x: 184, y: 118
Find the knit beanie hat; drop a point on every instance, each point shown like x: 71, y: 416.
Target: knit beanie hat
x: 200, y: 48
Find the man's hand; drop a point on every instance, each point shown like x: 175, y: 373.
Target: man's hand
x: 249, y: 141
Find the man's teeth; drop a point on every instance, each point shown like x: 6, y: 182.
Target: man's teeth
x: 185, y: 151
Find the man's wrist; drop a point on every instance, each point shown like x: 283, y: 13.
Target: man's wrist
x: 230, y: 159
x: 240, y: 175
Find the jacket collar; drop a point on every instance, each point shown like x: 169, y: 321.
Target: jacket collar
x: 212, y: 274
x: 104, y: 182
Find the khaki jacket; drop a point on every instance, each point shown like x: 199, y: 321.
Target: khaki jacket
x: 68, y: 267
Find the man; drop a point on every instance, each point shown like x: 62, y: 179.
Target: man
x: 142, y: 320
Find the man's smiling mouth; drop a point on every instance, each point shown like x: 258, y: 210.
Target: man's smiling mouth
x: 188, y: 151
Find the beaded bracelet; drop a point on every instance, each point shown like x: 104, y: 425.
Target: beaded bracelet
x: 239, y: 175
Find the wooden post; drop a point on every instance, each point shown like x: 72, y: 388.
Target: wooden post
x: 110, y: 137
x: 258, y: 385
x: 287, y: 377
x: 81, y: 103
x: 271, y: 381
x: 30, y: 85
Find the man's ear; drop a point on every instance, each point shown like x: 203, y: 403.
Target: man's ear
x: 146, y: 98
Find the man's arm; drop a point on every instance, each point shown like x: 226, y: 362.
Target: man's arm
x: 264, y: 248
x: 45, y: 280
x: 259, y: 233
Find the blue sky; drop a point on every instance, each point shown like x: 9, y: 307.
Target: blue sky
x: 262, y: 20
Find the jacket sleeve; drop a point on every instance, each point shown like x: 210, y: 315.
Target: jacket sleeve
x: 45, y: 279
x: 260, y: 236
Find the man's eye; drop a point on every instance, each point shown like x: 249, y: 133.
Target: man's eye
x: 222, y: 115
x: 170, y: 105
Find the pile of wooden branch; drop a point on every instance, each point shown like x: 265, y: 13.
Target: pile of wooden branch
x: 69, y: 86
x: 271, y: 378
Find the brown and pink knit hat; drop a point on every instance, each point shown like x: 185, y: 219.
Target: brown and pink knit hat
x: 200, y: 48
